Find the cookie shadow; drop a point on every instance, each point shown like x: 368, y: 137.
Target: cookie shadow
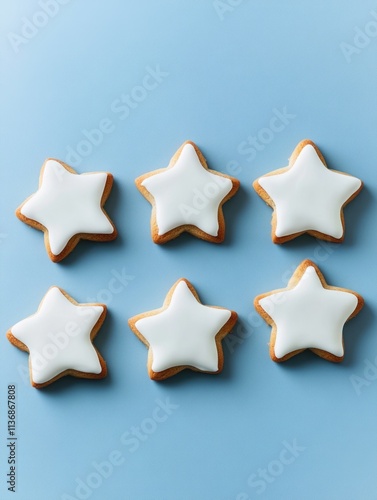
x: 354, y: 216
x: 232, y: 210
x: 357, y: 331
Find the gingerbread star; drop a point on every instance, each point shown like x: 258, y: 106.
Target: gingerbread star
x: 308, y: 314
x: 58, y: 338
x: 68, y: 207
x: 187, y: 196
x: 183, y: 333
x: 307, y: 197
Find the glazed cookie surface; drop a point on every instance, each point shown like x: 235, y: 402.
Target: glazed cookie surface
x: 307, y: 197
x: 308, y: 314
x: 187, y: 196
x: 58, y: 338
x: 68, y: 207
x: 183, y: 333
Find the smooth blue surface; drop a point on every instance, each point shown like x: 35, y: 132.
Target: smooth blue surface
x: 226, y: 74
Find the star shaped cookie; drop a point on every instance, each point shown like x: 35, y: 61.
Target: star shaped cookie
x: 187, y: 196
x: 58, y: 338
x: 68, y: 207
x: 183, y: 333
x: 308, y: 314
x: 307, y: 197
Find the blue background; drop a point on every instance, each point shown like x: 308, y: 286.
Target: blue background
x: 225, y: 74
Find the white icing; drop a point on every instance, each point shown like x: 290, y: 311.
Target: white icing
x: 187, y: 193
x: 67, y: 204
x: 309, y: 196
x: 184, y: 333
x: 58, y: 337
x: 309, y: 316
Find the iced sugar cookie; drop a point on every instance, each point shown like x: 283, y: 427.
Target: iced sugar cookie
x: 187, y: 196
x: 58, y: 338
x: 68, y: 207
x: 307, y: 197
x: 308, y: 314
x: 183, y: 333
